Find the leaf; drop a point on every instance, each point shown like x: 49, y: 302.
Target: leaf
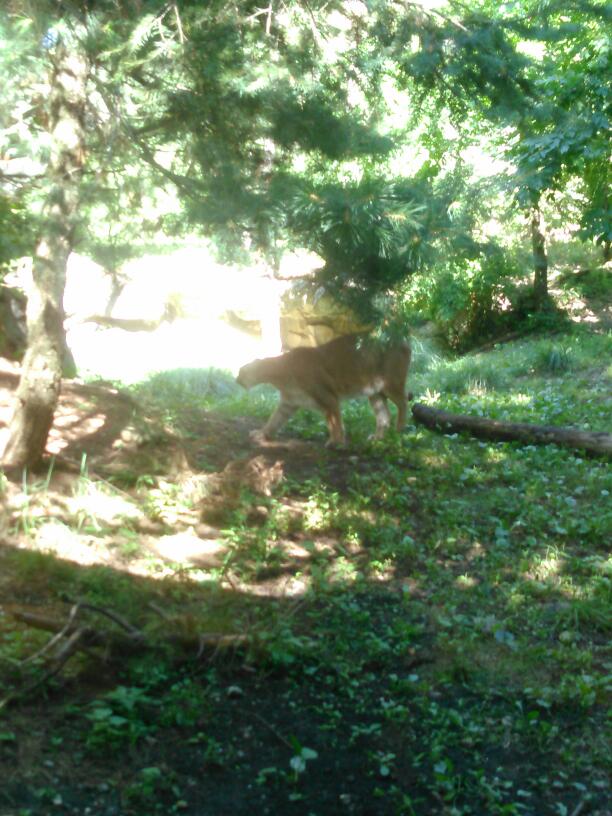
x: 7, y: 736
x: 505, y: 637
x: 440, y: 767
x: 298, y: 764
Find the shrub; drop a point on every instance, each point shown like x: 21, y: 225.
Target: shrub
x: 470, y: 300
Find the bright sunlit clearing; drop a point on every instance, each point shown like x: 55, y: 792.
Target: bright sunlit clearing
x: 223, y: 316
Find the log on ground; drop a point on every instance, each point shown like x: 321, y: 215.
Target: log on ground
x: 593, y: 442
x: 121, y: 643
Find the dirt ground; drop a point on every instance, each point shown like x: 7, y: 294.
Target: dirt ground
x: 104, y: 452
x: 101, y: 436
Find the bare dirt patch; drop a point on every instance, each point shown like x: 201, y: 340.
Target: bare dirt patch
x: 124, y: 491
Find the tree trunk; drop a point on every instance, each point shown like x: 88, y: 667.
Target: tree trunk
x: 437, y: 420
x: 540, y: 260
x: 39, y: 387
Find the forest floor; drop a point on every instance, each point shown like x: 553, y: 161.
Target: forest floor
x: 414, y: 626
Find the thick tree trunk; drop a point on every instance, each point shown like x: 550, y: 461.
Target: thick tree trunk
x: 38, y: 391
x: 540, y: 259
x: 437, y: 420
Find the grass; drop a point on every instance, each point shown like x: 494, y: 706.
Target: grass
x: 442, y: 646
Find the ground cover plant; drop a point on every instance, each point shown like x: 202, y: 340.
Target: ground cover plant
x: 427, y: 618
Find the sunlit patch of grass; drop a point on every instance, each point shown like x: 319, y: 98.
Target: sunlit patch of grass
x: 190, y: 384
x: 178, y: 390
x: 546, y: 568
x: 98, y: 504
x: 500, y: 369
x: 168, y: 501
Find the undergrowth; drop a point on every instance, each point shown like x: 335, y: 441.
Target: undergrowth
x: 441, y: 644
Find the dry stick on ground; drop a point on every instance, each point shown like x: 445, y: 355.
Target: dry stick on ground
x: 134, y: 641
x: 55, y: 639
x: 119, y: 643
x: 62, y: 657
x: 118, y: 619
x: 594, y: 442
x: 73, y: 638
x: 70, y: 638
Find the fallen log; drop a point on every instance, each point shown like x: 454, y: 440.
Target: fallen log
x: 131, y: 640
x: 593, y: 442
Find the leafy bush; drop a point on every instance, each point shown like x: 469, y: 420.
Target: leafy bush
x: 590, y: 283
x: 16, y: 234
x: 469, y: 300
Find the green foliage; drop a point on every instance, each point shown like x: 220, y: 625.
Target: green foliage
x: 370, y: 235
x: 275, y: 130
x: 313, y: 123
x: 437, y: 605
x: 483, y: 374
x: 119, y: 718
x: 591, y: 284
x: 467, y: 61
x: 554, y: 360
x: 16, y: 238
x: 566, y: 132
x: 471, y: 300
x: 195, y: 387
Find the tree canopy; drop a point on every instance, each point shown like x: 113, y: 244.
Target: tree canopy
x: 336, y: 126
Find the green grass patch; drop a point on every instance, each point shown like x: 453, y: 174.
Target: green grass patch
x: 429, y: 618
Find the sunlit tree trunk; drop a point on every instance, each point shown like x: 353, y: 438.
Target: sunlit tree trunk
x: 540, y: 259
x: 39, y: 387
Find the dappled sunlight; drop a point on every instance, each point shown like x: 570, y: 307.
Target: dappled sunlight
x: 68, y: 426
x: 466, y: 582
x: 519, y: 398
x: 57, y: 538
x: 89, y: 523
x: 283, y: 586
x: 478, y: 388
x: 545, y: 569
x: 188, y: 548
x: 580, y: 312
x: 495, y: 455
x: 99, y: 506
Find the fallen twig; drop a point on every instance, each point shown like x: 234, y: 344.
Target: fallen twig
x: 579, y: 808
x: 129, y: 641
x: 55, y: 639
x: 114, y: 616
x: 63, y: 656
